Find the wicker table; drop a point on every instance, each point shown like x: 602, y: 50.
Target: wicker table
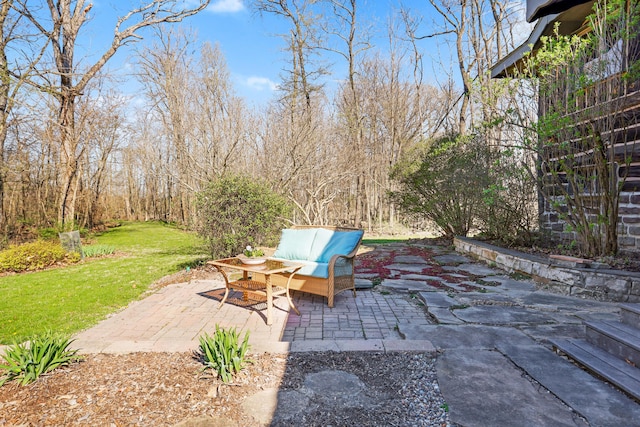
x: 248, y: 285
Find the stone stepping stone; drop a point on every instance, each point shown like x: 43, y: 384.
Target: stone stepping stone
x: 484, y: 388
x: 334, y: 385
x: 408, y: 285
x: 509, y: 284
x: 488, y: 299
x: 366, y: 275
x: 448, y: 337
x: 410, y: 259
x: 444, y: 316
x: 449, y: 259
x: 363, y: 283
x: 474, y: 269
x: 410, y: 268
x: 560, y: 301
x: 546, y: 333
x: 501, y: 315
x: 437, y: 299
x: 421, y: 277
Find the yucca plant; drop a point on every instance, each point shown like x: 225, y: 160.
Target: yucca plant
x: 26, y: 362
x: 223, y: 352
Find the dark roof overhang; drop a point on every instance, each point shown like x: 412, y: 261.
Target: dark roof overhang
x: 569, y: 22
x: 538, y: 8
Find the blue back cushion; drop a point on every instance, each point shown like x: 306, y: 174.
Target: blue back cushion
x: 295, y: 243
x: 320, y: 243
x: 340, y: 243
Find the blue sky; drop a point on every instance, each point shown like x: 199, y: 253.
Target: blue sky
x: 249, y: 41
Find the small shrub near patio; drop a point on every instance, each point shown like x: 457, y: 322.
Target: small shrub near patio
x: 26, y: 362
x: 237, y: 211
x: 94, y: 251
x: 223, y: 352
x: 35, y: 256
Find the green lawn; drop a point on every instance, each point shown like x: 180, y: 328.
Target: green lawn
x: 73, y: 298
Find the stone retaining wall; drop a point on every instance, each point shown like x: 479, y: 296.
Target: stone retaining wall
x: 579, y: 280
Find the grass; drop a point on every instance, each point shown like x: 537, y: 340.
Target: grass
x: 73, y: 298
x: 384, y: 240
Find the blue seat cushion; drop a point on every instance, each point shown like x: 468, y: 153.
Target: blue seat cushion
x: 295, y: 244
x: 315, y: 269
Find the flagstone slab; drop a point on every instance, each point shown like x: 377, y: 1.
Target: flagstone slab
x: 474, y: 269
x: 445, y: 337
x: 437, y: 299
x: 451, y: 259
x: 483, y: 388
x: 410, y: 259
x: 363, y: 283
x: 421, y: 277
x: 409, y: 268
x: 444, y: 316
x: 502, y: 315
x: 407, y: 285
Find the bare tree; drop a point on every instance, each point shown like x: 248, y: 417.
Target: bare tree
x: 302, y: 42
x: 13, y: 33
x: 67, y: 18
x: 479, y: 39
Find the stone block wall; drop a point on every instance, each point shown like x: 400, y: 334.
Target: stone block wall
x: 628, y: 223
x: 597, y: 283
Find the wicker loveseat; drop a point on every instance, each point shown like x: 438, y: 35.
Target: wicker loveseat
x: 327, y: 254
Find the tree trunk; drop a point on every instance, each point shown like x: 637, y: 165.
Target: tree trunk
x: 68, y: 153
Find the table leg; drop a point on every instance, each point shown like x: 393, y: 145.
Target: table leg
x: 289, y: 295
x: 269, y: 289
x: 245, y: 294
x: 226, y: 287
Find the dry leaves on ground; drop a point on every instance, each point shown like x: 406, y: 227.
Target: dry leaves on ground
x: 166, y: 389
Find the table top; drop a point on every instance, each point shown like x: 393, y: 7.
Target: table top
x: 270, y: 266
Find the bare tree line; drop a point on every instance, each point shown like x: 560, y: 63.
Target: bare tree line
x: 76, y: 152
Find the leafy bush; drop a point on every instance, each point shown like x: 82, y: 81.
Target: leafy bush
x: 35, y: 256
x: 223, y: 353
x: 508, y: 211
x: 97, y: 250
x: 237, y: 211
x: 464, y: 184
x: 443, y: 181
x: 25, y: 363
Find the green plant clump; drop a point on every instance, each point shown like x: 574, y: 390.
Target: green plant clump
x: 253, y: 252
x: 26, y: 362
x: 35, y: 256
x: 223, y: 353
x: 237, y: 211
x: 93, y: 251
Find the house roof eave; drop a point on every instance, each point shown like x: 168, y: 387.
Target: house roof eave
x: 569, y: 20
x: 510, y: 61
x: 537, y: 9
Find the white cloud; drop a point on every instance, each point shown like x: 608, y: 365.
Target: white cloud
x: 226, y: 6
x: 261, y: 83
